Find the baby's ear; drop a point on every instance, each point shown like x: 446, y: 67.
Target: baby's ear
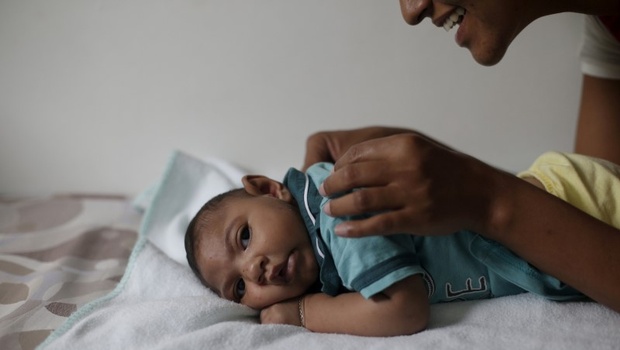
x: 258, y: 185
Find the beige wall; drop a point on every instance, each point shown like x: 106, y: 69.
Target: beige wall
x: 94, y: 95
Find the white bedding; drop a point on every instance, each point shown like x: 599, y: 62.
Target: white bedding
x: 160, y: 304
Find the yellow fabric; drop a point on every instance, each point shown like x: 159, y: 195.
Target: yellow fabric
x: 590, y: 184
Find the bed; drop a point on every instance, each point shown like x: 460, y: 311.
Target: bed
x: 63, y: 258
x: 57, y: 253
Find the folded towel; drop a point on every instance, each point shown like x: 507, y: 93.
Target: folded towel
x: 186, y: 185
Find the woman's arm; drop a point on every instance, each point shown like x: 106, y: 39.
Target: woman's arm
x: 599, y: 119
x: 419, y: 186
x: 401, y: 309
x: 558, y: 238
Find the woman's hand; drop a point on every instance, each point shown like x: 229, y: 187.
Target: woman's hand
x: 329, y: 146
x: 412, y: 184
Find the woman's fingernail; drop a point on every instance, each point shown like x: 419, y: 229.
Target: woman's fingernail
x: 341, y: 230
x: 322, y: 191
x: 327, y: 208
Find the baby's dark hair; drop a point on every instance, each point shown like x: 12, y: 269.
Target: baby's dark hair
x: 200, y: 220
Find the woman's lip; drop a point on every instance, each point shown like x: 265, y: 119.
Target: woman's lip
x: 439, y: 22
x: 451, y: 18
x: 460, y: 32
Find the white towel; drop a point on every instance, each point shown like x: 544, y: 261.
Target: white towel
x: 159, y: 304
x: 186, y: 185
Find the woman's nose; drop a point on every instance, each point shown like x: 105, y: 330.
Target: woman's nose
x: 254, y: 269
x: 414, y: 11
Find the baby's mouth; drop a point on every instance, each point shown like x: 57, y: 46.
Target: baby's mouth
x: 278, y: 274
x: 454, y: 19
x: 283, y: 272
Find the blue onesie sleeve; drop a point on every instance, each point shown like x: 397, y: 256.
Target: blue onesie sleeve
x: 367, y: 265
x: 371, y: 264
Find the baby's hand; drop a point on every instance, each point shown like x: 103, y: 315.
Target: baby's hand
x: 286, y: 312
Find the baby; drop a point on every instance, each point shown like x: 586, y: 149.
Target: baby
x: 270, y: 246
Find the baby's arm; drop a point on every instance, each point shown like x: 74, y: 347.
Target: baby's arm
x: 399, y: 310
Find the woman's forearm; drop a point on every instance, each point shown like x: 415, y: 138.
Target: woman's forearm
x: 557, y: 238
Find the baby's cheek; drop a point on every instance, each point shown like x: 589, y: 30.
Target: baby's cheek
x: 256, y: 298
x: 260, y: 297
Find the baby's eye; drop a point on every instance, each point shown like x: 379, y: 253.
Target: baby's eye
x: 245, y: 237
x: 239, y: 289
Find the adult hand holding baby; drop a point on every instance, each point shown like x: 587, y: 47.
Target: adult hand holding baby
x: 417, y: 184
x: 414, y: 184
x: 329, y: 146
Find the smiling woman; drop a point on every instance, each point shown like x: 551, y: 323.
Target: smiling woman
x: 488, y: 27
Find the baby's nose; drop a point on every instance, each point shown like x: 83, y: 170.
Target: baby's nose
x: 254, y: 270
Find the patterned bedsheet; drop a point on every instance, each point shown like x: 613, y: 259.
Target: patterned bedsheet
x: 56, y: 254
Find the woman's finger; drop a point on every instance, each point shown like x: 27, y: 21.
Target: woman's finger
x: 357, y: 175
x: 387, y: 223
x: 363, y: 201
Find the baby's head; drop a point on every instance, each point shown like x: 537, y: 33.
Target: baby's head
x: 251, y: 246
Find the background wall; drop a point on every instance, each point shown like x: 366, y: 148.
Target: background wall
x: 94, y: 95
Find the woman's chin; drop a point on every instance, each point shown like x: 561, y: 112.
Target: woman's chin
x: 488, y: 56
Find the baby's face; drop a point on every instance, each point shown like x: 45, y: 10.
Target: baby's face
x: 257, y: 252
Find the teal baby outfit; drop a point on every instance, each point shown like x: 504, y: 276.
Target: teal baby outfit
x: 461, y: 266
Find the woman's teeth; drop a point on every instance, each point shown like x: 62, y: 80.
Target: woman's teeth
x: 454, y: 18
